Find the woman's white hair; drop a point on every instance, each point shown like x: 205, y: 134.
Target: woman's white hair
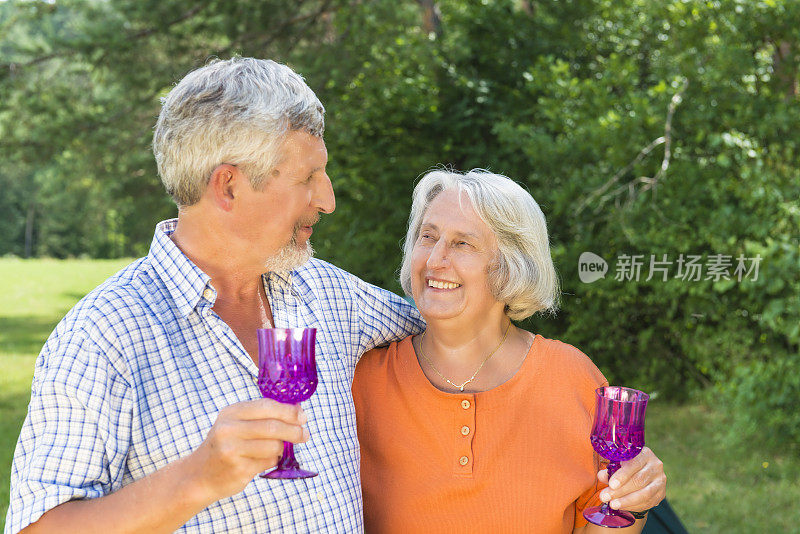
x: 523, y: 275
x: 237, y: 111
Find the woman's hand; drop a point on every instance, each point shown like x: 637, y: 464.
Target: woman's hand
x: 640, y: 484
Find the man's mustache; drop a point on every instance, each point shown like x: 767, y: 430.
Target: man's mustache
x: 307, y: 222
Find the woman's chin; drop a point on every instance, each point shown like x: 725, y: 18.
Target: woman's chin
x: 438, y: 313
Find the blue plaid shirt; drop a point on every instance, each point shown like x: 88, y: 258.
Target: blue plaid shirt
x: 135, y: 374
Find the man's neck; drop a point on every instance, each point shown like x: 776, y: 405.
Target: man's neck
x: 241, y: 300
x: 215, y: 256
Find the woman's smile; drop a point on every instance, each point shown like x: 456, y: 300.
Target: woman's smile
x: 442, y: 284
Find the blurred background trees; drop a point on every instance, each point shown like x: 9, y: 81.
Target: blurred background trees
x: 642, y: 128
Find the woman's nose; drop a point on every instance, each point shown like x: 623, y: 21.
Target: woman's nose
x: 438, y: 256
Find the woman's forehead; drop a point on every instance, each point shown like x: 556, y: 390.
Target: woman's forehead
x: 453, y: 211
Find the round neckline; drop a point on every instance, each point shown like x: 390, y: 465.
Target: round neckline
x: 422, y: 385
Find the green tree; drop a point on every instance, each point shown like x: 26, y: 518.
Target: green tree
x: 641, y: 128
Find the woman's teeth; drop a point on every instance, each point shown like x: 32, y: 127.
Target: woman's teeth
x: 442, y: 285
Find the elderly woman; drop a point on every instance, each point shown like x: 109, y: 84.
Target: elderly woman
x: 477, y: 425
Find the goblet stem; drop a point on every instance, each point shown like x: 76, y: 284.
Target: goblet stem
x: 288, y: 467
x: 288, y: 460
x: 612, y: 468
x: 606, y: 516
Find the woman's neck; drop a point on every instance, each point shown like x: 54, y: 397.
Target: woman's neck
x: 450, y: 355
x: 447, y: 341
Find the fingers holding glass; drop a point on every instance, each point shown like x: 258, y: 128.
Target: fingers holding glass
x: 639, y: 485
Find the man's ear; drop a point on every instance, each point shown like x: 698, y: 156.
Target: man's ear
x: 222, y: 185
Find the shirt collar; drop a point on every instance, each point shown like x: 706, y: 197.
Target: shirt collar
x: 187, y: 283
x: 184, y: 280
x: 292, y: 282
x: 284, y: 279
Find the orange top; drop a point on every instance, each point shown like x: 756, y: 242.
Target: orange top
x: 516, y: 458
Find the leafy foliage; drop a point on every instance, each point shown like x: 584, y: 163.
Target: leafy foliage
x: 641, y: 127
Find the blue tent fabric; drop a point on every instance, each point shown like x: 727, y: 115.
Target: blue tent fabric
x: 663, y: 520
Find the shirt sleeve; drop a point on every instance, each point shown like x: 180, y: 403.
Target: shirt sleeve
x: 75, y: 437
x: 384, y: 317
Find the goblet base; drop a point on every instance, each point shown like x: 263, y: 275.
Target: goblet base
x: 291, y: 472
x: 605, y: 516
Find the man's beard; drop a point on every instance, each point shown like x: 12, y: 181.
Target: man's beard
x: 290, y: 256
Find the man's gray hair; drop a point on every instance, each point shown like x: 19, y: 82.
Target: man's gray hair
x: 523, y: 275
x: 237, y: 111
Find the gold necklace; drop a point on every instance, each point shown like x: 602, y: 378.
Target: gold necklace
x: 486, y: 359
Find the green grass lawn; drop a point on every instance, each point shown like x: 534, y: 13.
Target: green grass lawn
x: 717, y: 487
x: 714, y: 487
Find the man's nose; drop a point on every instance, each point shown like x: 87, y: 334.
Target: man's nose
x: 324, y: 199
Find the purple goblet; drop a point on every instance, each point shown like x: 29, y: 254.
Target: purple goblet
x: 287, y: 372
x: 617, y: 435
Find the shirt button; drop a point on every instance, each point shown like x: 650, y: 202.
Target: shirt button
x: 463, y: 460
x: 208, y: 294
x: 465, y: 404
x: 320, y: 496
x: 464, y: 430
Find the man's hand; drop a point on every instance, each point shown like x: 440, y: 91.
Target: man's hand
x: 640, y: 484
x: 246, y: 439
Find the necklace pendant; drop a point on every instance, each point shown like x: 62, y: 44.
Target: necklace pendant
x: 462, y: 386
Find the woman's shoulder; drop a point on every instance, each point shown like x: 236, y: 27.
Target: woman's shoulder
x: 380, y: 357
x: 568, y: 361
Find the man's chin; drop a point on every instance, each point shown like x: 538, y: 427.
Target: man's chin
x: 290, y: 257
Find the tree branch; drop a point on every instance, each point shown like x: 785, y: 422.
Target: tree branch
x: 431, y: 17
x: 649, y: 181
x: 186, y: 16
x: 620, y: 173
x: 662, y: 171
x: 528, y: 7
x: 785, y: 68
x: 11, y: 67
x: 324, y: 9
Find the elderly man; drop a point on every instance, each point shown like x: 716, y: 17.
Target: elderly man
x: 145, y: 415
